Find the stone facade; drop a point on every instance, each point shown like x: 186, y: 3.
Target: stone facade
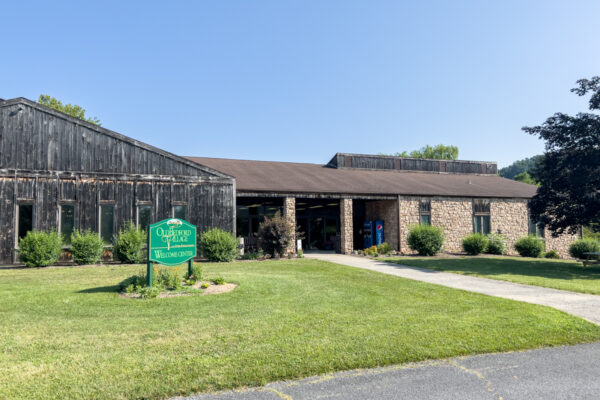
x: 386, y: 210
x: 455, y: 216
x: 409, y: 216
x: 509, y: 216
x: 560, y: 244
x: 289, y: 212
x: 346, y: 227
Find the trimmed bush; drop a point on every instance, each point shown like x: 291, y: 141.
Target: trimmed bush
x: 427, y: 240
x: 371, y: 251
x: 475, y: 244
x: 276, y: 235
x: 218, y: 245
x: 551, y: 254
x: 581, y: 246
x: 384, y: 248
x: 496, y: 244
x: 530, y: 246
x: 129, y: 243
x: 40, y: 249
x: 86, y: 247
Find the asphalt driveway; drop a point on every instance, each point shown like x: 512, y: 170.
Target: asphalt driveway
x: 569, y: 372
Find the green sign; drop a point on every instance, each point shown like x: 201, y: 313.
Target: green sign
x: 171, y: 242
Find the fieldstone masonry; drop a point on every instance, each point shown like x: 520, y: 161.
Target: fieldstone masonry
x: 346, y: 226
x: 289, y: 212
x: 455, y: 216
x: 387, y: 211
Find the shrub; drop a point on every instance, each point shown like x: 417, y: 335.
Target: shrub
x: 87, y: 247
x: 196, y: 273
x: 276, y: 235
x: 169, y: 279
x: 149, y: 292
x: 475, y: 244
x: 218, y: 245
x: 204, y: 285
x: 427, y: 240
x: 551, y: 254
x: 219, y: 281
x: 384, y: 248
x: 496, y: 244
x: 300, y: 254
x: 136, y: 282
x: 40, y: 249
x: 581, y: 246
x: 530, y: 246
x: 129, y: 244
x: 371, y: 251
x: 250, y: 256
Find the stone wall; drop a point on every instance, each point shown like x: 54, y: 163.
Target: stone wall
x: 346, y: 227
x: 510, y: 216
x: 409, y: 216
x: 560, y: 244
x: 455, y: 216
x: 289, y: 212
x: 386, y: 210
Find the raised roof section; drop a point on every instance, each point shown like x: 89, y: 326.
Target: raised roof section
x: 380, y: 162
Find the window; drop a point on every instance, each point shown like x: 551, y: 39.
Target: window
x: 25, y: 220
x: 144, y: 217
x: 67, y: 221
x: 180, y: 212
x: 425, y: 212
x: 481, y: 216
x: 107, y: 222
x: 536, y: 228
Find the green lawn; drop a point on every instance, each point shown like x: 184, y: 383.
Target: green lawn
x: 558, y: 274
x: 65, y: 333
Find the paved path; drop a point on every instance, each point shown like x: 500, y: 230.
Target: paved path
x: 569, y: 372
x: 586, y: 306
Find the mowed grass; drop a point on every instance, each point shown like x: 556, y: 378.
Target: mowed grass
x: 65, y: 333
x: 557, y: 274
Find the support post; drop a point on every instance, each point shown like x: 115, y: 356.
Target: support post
x: 289, y: 213
x: 190, y: 267
x: 346, y: 227
x: 149, y: 274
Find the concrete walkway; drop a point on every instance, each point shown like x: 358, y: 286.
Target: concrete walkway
x: 569, y: 372
x: 586, y: 306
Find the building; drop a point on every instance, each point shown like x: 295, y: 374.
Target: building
x: 331, y: 202
x: 60, y: 173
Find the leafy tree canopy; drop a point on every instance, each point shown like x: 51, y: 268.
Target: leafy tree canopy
x: 569, y: 173
x: 518, y: 167
x: 441, y: 152
x: 71, y: 109
x: 525, y: 177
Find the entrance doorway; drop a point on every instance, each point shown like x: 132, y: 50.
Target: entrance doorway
x: 319, y: 222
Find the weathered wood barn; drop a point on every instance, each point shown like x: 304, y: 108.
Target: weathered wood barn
x: 60, y: 173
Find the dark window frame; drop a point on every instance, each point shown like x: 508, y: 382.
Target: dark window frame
x: 75, y: 212
x: 178, y: 204
x: 425, y: 211
x: 20, y: 203
x: 114, y: 208
x: 137, y: 213
x: 481, y: 214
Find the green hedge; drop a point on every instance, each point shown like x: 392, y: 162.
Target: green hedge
x: 40, y: 249
x: 128, y: 244
x: 86, y: 247
x: 427, y: 240
x: 218, y: 245
x: 530, y: 246
x: 475, y: 244
x: 581, y: 246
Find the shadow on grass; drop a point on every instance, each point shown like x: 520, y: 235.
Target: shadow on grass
x: 101, y: 289
x: 505, y: 266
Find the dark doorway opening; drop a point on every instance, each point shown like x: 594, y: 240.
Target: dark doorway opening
x: 319, y: 223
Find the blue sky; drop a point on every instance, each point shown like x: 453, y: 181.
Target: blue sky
x: 301, y: 80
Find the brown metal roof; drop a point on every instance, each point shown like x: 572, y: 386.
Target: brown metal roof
x: 287, y: 177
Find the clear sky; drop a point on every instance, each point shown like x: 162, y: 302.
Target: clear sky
x: 302, y: 80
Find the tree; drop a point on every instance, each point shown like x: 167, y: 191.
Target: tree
x: 440, y: 152
x: 569, y: 173
x: 525, y: 177
x: 518, y: 167
x: 71, y: 109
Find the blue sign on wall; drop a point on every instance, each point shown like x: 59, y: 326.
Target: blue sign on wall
x: 379, y: 238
